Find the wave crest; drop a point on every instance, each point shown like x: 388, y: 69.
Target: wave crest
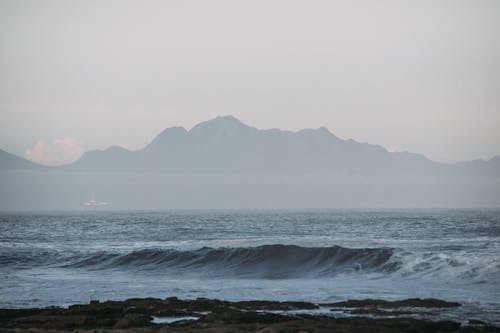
x: 267, y: 261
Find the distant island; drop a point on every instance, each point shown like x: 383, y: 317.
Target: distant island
x: 223, y: 163
x: 226, y: 145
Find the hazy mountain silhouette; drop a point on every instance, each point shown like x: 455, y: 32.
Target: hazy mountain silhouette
x: 9, y: 161
x: 223, y: 163
x: 226, y: 145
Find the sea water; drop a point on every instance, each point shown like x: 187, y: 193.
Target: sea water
x: 318, y: 256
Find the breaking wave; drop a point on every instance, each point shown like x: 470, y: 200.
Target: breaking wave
x: 267, y: 261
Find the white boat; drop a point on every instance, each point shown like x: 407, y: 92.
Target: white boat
x: 93, y: 204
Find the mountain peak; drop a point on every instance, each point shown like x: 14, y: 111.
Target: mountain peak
x: 325, y: 130
x: 221, y: 124
x: 169, y: 135
x: 222, y: 120
x: 227, y: 118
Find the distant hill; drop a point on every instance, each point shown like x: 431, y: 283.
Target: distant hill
x: 490, y: 168
x: 9, y: 161
x: 223, y: 163
x: 226, y: 145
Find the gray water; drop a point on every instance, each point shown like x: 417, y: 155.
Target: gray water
x: 319, y: 256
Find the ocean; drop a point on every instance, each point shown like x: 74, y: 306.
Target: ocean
x: 318, y: 256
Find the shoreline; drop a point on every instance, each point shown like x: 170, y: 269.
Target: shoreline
x: 212, y: 315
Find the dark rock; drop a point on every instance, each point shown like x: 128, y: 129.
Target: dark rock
x: 441, y: 326
x: 378, y: 312
x: 134, y: 315
x: 232, y: 315
x: 53, y: 322
x: 205, y: 304
x: 105, y: 322
x: 413, y: 302
x: 133, y: 320
x: 9, y: 314
x: 274, y: 306
x: 491, y: 329
x: 175, y: 303
x: 176, y: 313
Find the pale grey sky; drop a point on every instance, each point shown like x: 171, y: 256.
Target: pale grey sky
x: 422, y: 76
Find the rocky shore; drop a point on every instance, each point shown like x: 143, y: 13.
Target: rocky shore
x: 206, y: 315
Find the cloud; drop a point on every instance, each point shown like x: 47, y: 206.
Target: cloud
x: 57, y: 152
x: 393, y: 148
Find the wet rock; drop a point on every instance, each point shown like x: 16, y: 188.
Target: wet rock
x: 269, y: 329
x: 274, y: 306
x: 9, y: 314
x: 53, y: 322
x: 175, y: 303
x: 134, y: 316
x: 205, y: 304
x: 378, y: 312
x: 133, y: 320
x: 176, y: 313
x: 440, y: 326
x: 105, y: 322
x: 232, y: 315
x: 412, y: 302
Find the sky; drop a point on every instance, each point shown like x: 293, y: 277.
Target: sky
x: 420, y: 76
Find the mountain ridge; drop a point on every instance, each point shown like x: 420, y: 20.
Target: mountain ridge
x: 226, y: 145
x: 225, y: 164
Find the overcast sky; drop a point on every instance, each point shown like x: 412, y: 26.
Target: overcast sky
x: 422, y: 76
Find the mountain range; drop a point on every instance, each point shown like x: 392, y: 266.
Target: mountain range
x: 226, y: 145
x: 223, y: 163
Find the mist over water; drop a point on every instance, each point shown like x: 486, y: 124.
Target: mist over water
x: 319, y: 256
